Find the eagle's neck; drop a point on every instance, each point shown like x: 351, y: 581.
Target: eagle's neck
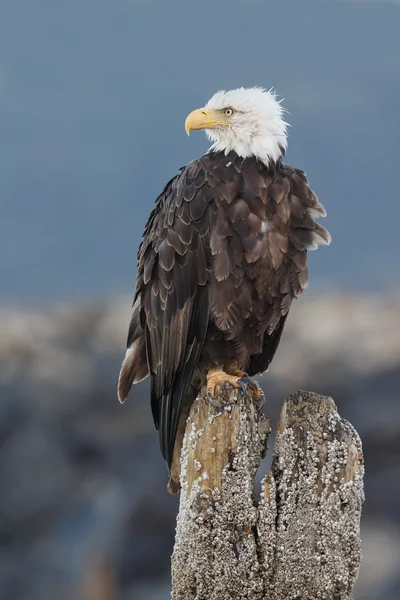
x: 267, y: 152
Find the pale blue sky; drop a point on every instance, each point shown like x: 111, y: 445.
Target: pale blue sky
x: 93, y: 98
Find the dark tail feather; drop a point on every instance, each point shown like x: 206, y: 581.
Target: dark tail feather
x: 172, y: 405
x: 260, y: 362
x: 167, y: 410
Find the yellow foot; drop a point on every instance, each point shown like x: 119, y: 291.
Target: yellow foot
x: 214, y: 378
x: 240, y: 381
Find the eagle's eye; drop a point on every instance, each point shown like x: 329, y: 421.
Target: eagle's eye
x: 228, y: 112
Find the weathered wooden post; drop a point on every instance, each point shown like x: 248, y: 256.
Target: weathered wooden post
x: 301, y: 537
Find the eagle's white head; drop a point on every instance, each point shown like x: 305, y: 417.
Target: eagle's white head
x: 249, y: 121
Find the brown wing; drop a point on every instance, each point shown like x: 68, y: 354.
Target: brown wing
x: 292, y: 208
x: 172, y: 298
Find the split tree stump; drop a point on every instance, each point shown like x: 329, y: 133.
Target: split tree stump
x: 299, y: 539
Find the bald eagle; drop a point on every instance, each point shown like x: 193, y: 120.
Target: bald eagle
x: 223, y: 254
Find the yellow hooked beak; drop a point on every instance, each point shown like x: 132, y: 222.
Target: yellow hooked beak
x: 204, y: 118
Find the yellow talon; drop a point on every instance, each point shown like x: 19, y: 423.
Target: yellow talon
x: 216, y: 376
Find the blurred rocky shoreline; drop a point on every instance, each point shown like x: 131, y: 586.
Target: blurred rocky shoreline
x: 83, y: 498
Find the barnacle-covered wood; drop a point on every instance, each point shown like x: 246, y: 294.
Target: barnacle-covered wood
x: 309, y: 522
x: 301, y: 540
x: 215, y: 555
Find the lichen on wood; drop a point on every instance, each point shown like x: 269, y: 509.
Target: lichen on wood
x: 300, y: 539
x: 309, y: 516
x: 215, y: 552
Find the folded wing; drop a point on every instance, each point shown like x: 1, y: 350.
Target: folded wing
x: 171, y: 308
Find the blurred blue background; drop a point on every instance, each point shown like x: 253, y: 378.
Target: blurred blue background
x: 93, y: 98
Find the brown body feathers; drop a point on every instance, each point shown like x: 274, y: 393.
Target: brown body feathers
x: 223, y: 255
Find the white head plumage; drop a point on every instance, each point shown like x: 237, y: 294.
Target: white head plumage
x: 255, y: 124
